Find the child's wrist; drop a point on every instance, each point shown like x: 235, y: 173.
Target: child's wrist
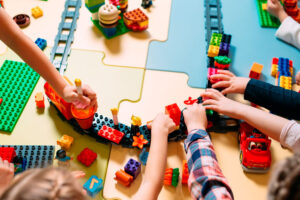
x: 282, y: 15
x: 195, y: 127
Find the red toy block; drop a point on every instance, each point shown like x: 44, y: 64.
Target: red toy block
x: 1, y: 100
x: 275, y: 61
x: 123, y: 178
x: 221, y: 66
x: 174, y: 112
x: 87, y: 157
x: 255, y: 71
x: 39, y: 100
x: 111, y: 134
x: 212, y: 71
x: 185, y: 172
x: 7, y: 153
x: 168, y: 176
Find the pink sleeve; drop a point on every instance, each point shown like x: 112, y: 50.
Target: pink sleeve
x: 290, y: 136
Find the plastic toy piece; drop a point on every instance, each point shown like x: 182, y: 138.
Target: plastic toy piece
x: 144, y: 156
x: 111, y: 134
x: 2, y: 3
x: 39, y: 100
x: 291, y: 8
x: 1, y: 100
x: 7, y: 153
x: 185, y: 172
x: 136, y: 20
x: 93, y: 186
x: 63, y: 159
x: 84, y: 117
x: 108, y: 16
x: 36, y: 12
x: 222, y: 62
x: 255, y: 155
x: 17, y: 81
x: 122, y: 4
x: 174, y: 112
x: 78, y: 86
x: 264, y: 6
x: 265, y: 19
x: 146, y: 4
x: 190, y: 101
x: 212, y: 71
x: 139, y: 141
x: 22, y: 20
x: 136, y: 121
x: 20, y: 163
x: 282, y: 70
x: 93, y: 5
x: 37, y: 156
x: 41, y: 43
x: 114, y: 112
x: 171, y: 177
x: 133, y: 168
x: 123, y: 178
x: 87, y: 157
x: 255, y: 71
x: 65, y: 142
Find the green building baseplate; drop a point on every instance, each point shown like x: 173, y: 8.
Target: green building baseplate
x: 17, y: 81
x: 265, y: 19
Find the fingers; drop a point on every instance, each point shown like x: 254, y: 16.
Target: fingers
x: 220, y: 76
x: 78, y: 174
x: 212, y: 94
x: 221, y: 84
x: 209, y: 102
x: 226, y: 72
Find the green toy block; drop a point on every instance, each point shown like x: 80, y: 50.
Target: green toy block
x: 17, y: 81
x: 91, y: 3
x: 216, y: 39
x: 223, y: 60
x: 265, y: 19
x: 121, y: 28
x: 175, y: 177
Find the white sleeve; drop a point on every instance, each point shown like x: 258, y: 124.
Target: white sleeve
x: 290, y: 136
x: 289, y: 31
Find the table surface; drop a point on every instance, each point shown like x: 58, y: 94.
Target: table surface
x: 116, y: 71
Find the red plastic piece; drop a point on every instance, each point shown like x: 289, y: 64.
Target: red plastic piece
x: 212, y: 71
x: 139, y: 141
x: 39, y: 100
x: 255, y: 149
x: 168, y: 176
x: 255, y: 71
x: 1, y: 100
x: 185, y: 172
x: 87, y: 157
x: 174, y: 112
x: 111, y: 134
x: 221, y: 66
x: 275, y: 61
x: 123, y: 178
x: 190, y: 101
x: 7, y: 153
x: 2, y: 3
x: 84, y: 117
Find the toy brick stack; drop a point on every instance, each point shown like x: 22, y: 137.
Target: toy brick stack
x: 171, y: 177
x: 131, y: 170
x: 292, y: 9
x: 282, y: 70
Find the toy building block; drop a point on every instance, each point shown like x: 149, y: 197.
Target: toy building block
x: 36, y: 12
x: 39, y: 100
x: 264, y: 6
x: 175, y: 177
x: 185, y: 172
x: 87, y: 157
x: 1, y: 100
x: 171, y: 177
x: 216, y: 39
x: 133, y: 168
x: 65, y: 142
x: 274, y: 68
x: 123, y: 178
x: 114, y: 112
x: 22, y: 20
x: 7, y: 153
x: 139, y: 141
x: 212, y: 71
x: 41, y: 43
x: 93, y: 5
x: 136, y: 20
x: 93, y: 186
x: 265, y: 19
x: 222, y: 62
x: 174, y: 113
x: 122, y: 4
x: 213, y: 51
x: 255, y: 71
x: 111, y: 134
x: 17, y: 81
x: 144, y: 156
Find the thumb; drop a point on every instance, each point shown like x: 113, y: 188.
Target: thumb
x: 80, y: 101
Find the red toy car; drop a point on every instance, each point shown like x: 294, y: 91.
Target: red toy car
x: 255, y: 155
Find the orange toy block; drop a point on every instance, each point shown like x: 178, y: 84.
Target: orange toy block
x: 39, y: 100
x: 65, y: 142
x: 255, y: 71
x: 136, y: 20
x: 168, y: 176
x: 185, y: 172
x: 36, y: 12
x: 123, y: 178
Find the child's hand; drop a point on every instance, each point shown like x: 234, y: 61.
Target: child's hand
x: 6, y: 174
x: 162, y: 124
x: 87, y: 100
x: 217, y: 102
x: 276, y: 9
x: 298, y: 78
x: 230, y: 82
x: 195, y: 117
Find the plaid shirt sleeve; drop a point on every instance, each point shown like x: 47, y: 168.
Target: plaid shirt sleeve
x: 206, y: 180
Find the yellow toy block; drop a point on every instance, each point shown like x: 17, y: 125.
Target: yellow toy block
x: 36, y: 12
x: 285, y: 82
x: 274, y: 70
x: 213, y: 51
x: 65, y: 142
x: 264, y: 6
x: 136, y: 121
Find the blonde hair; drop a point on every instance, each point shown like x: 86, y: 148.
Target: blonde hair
x: 45, y: 184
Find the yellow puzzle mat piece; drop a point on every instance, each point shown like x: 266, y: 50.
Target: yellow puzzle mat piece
x: 164, y: 88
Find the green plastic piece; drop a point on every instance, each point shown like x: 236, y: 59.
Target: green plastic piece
x: 91, y: 3
x: 265, y: 19
x: 121, y: 28
x: 216, y: 39
x: 209, y: 112
x: 223, y: 60
x: 17, y: 81
x: 175, y: 177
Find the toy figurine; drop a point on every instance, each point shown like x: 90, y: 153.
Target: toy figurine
x: 136, y: 122
x: 146, y: 4
x: 114, y: 112
x: 63, y: 159
x: 108, y: 15
x: 19, y: 163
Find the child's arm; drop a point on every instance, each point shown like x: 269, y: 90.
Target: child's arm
x: 289, y: 30
x: 6, y: 174
x: 279, y: 101
x: 15, y: 39
x: 156, y: 164
x: 278, y: 128
x: 206, y: 180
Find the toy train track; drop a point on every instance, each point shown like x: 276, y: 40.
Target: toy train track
x: 62, y: 43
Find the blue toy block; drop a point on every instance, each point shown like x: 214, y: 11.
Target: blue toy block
x: 41, y: 43
x: 133, y: 168
x: 144, y: 156
x: 93, y: 186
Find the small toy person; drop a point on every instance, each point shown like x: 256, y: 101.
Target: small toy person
x: 136, y: 122
x: 146, y: 3
x: 63, y: 159
x: 19, y: 163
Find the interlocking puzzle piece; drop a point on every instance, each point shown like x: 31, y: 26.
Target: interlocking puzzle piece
x: 144, y: 156
x: 36, y: 12
x: 65, y: 142
x: 265, y: 19
x: 87, y: 157
x: 37, y: 156
x: 39, y: 100
x: 136, y: 20
x: 255, y: 71
x: 174, y: 113
x: 123, y: 178
x: 185, y: 172
x: 139, y: 141
x: 133, y: 168
x: 17, y: 81
x: 7, y: 153
x: 111, y: 134
x: 41, y: 43
x: 93, y: 186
